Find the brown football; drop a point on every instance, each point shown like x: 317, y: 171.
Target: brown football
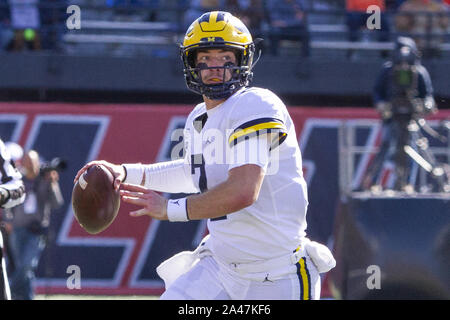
x: 95, y: 203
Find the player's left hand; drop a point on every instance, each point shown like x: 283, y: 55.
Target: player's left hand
x: 153, y: 204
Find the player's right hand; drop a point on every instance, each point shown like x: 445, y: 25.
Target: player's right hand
x: 118, y: 171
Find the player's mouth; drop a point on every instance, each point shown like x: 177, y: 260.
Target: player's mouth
x: 214, y: 80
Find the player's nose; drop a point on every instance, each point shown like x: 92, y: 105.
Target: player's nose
x: 216, y: 63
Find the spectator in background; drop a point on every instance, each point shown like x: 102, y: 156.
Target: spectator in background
x: 5, y: 32
x: 30, y: 222
x: 417, y: 18
x: 199, y: 7
x: 251, y: 13
x: 393, y: 5
x: 26, y: 23
x: 53, y: 24
x: 287, y: 21
x: 357, y: 16
x: 128, y: 10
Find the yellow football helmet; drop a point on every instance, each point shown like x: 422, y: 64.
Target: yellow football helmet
x: 218, y: 29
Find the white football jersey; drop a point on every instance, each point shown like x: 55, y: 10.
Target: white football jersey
x: 274, y: 225
x: 10, y: 179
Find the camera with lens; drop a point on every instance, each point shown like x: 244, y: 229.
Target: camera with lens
x: 56, y: 164
x: 404, y: 91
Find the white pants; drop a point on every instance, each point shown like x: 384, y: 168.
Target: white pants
x: 207, y: 281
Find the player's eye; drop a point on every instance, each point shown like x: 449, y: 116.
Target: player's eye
x: 203, y: 59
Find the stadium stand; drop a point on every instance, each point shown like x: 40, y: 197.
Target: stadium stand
x: 123, y: 27
x: 153, y: 29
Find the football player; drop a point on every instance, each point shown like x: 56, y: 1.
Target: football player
x: 243, y: 162
x: 12, y: 193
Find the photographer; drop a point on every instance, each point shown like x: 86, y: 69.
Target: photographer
x: 403, y: 92
x: 30, y: 221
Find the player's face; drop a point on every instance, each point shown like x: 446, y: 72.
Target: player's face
x: 215, y: 58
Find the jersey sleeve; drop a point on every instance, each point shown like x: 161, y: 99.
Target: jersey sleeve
x: 258, y: 112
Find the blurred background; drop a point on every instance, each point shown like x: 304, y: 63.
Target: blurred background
x: 102, y: 79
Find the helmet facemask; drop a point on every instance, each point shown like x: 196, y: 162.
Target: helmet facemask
x: 241, y: 74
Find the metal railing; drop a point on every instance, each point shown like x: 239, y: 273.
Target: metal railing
x: 355, y: 157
